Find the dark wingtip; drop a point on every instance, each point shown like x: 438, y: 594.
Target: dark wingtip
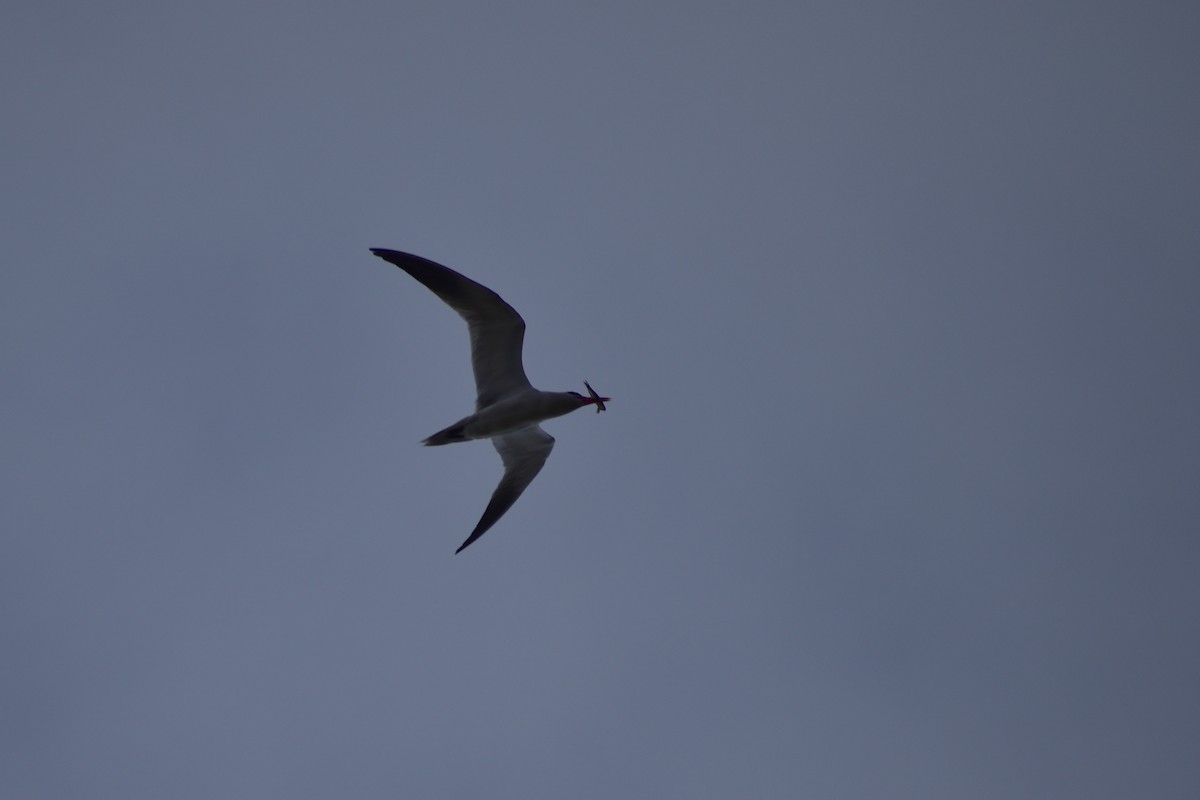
x: 388, y: 254
x: 475, y: 534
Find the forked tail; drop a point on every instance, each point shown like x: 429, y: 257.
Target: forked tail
x: 447, y: 436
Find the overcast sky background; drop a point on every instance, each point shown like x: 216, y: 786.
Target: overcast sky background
x: 897, y: 497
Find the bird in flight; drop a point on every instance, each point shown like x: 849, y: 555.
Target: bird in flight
x: 507, y: 408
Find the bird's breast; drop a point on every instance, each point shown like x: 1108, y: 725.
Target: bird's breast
x: 515, y: 412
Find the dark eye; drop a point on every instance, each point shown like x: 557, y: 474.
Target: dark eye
x: 577, y: 394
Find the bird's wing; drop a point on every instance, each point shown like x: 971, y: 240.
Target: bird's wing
x: 524, y: 453
x: 497, y: 330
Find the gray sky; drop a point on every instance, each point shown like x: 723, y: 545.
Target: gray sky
x: 897, y: 496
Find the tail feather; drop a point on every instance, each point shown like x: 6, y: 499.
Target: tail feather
x: 447, y: 436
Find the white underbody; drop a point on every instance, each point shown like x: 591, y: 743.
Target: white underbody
x: 515, y: 411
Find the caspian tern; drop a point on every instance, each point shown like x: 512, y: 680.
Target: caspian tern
x: 507, y: 408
